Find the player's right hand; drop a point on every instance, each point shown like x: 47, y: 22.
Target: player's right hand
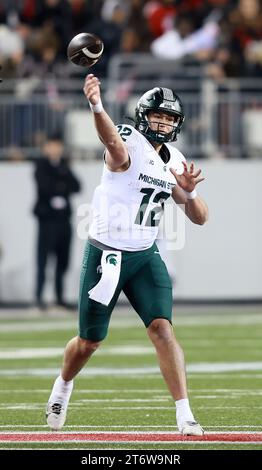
x: 92, y: 89
x: 189, y: 178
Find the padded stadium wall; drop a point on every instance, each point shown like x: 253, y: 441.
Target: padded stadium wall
x: 220, y: 261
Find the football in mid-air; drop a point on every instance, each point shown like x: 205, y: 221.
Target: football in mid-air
x: 85, y: 49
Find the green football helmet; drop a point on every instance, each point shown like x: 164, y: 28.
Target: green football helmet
x: 160, y: 100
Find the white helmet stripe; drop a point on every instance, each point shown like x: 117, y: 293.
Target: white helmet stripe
x: 168, y: 94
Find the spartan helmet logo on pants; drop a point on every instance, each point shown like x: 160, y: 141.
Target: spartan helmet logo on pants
x: 111, y: 259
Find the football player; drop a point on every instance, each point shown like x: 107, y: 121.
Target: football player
x: 141, y: 171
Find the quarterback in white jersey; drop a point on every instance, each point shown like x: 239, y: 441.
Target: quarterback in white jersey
x: 128, y: 205
x: 141, y: 171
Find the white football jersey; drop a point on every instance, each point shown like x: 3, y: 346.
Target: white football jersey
x: 128, y: 205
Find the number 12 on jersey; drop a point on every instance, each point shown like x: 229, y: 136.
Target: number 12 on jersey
x: 149, y: 196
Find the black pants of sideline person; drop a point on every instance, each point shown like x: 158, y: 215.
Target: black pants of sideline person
x: 54, y: 239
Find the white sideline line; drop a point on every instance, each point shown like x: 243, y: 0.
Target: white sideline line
x: 198, y: 376
x: 27, y: 353
x: 121, y: 400
x: 78, y: 406
x: 98, y: 371
x: 91, y: 371
x: 82, y: 402
x: 81, y: 407
x: 131, y: 350
x: 63, y: 325
x: 224, y: 366
x: 38, y: 325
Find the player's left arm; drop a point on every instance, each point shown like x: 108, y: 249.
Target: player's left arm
x: 196, y: 209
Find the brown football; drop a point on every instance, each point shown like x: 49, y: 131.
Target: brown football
x: 85, y: 49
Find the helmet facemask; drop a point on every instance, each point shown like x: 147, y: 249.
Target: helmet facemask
x: 157, y: 135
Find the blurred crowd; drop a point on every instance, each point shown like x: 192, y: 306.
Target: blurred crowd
x: 223, y: 35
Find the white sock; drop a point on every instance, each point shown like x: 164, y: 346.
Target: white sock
x: 183, y: 412
x: 61, y: 390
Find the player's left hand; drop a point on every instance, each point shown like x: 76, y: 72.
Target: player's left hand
x: 189, y: 178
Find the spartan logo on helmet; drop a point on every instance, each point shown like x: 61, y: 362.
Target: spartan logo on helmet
x: 111, y: 259
x: 160, y: 100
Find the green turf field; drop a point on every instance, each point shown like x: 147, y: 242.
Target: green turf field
x: 121, y: 389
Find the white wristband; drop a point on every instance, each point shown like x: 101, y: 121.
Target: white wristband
x: 96, y: 108
x: 191, y: 195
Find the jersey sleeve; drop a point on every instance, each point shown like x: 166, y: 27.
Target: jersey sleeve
x: 134, y: 143
x: 130, y: 136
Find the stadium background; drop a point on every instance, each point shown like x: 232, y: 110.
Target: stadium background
x: 217, y: 73
x: 218, y: 76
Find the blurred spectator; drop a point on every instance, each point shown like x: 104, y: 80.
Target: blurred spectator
x: 210, y: 38
x: 246, y: 36
x: 183, y: 40
x: 136, y: 36
x: 35, y: 33
x: 160, y: 16
x: 11, y: 50
x: 55, y: 183
x: 56, y: 15
x: 109, y: 28
x: 10, y: 42
x: 83, y: 14
x: 112, y: 8
x: 239, y: 48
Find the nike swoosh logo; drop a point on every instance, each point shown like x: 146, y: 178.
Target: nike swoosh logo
x: 157, y: 252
